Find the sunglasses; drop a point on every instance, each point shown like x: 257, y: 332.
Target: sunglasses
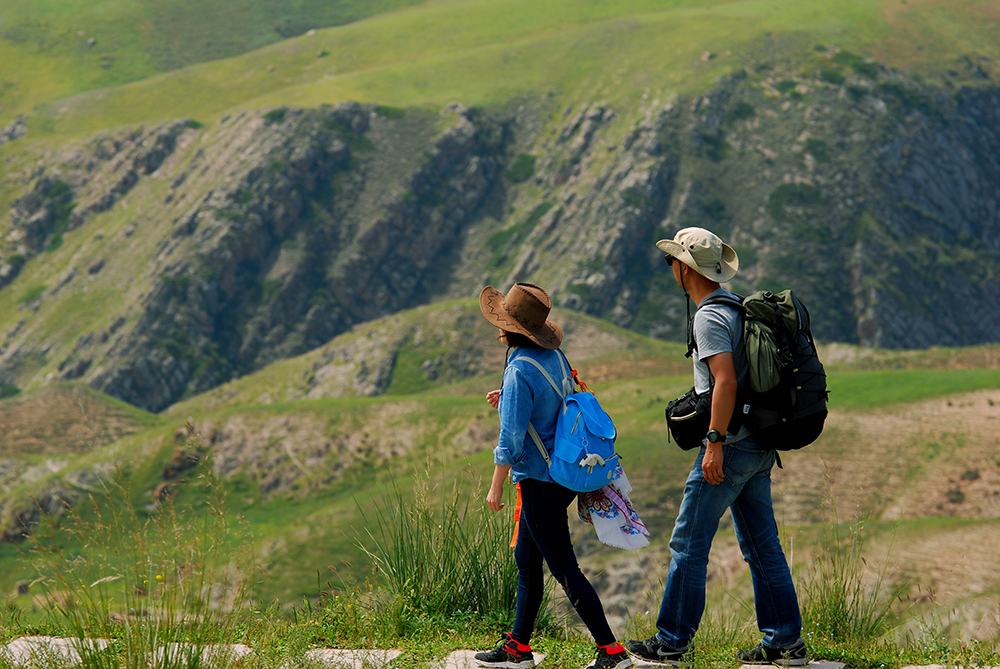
x: 670, y: 260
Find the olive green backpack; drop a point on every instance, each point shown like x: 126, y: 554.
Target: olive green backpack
x: 784, y: 405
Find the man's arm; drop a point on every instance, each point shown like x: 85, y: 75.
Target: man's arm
x: 723, y: 403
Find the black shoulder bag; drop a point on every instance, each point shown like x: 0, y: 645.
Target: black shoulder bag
x: 689, y: 416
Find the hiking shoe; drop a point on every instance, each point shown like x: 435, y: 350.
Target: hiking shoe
x: 507, y: 654
x: 652, y: 650
x: 612, y: 657
x: 796, y: 656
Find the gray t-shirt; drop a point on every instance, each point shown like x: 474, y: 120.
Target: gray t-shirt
x: 719, y: 329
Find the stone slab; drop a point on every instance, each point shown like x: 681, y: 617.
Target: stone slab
x: 31, y: 651
x: 465, y: 659
x: 814, y: 664
x: 353, y: 659
x: 212, y: 655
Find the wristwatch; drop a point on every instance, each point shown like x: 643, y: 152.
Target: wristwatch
x: 716, y: 437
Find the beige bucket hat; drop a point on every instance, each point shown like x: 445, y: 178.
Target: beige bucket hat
x: 525, y: 310
x: 704, y: 252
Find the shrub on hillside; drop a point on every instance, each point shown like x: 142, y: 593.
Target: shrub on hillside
x: 740, y: 111
x: 32, y: 294
x: 786, y: 85
x: 792, y: 195
x: 275, y: 116
x: 818, y: 149
x: 832, y: 76
x: 522, y: 169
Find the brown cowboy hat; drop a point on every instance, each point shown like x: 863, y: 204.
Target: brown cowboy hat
x: 525, y: 310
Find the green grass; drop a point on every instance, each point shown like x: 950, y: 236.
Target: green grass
x: 487, y: 51
x: 32, y: 294
x: 854, y: 390
x: 317, y: 521
x: 522, y: 169
x: 46, y: 53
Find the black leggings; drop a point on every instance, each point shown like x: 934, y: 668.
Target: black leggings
x: 544, y: 533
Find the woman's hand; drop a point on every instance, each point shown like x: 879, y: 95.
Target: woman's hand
x: 495, y: 494
x: 493, y: 397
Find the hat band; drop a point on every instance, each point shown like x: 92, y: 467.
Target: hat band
x: 528, y: 318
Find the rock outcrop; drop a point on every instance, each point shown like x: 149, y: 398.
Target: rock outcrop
x: 265, y: 236
x: 283, y: 231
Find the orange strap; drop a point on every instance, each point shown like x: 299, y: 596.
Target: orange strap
x: 517, y: 516
x: 584, y: 386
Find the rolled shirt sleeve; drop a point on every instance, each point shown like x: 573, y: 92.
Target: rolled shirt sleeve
x: 516, y: 401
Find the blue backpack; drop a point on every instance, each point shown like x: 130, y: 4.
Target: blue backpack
x: 583, y: 458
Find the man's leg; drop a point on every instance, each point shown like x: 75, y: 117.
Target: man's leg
x: 697, y: 522
x: 777, y: 606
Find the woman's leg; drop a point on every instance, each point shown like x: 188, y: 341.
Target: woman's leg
x: 530, y: 583
x: 543, y: 514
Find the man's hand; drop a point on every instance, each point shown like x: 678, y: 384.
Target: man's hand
x: 493, y: 397
x: 723, y: 403
x: 711, y: 464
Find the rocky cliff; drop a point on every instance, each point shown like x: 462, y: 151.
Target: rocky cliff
x: 209, y: 252
x: 871, y: 193
x: 269, y: 236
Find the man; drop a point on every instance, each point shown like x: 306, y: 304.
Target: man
x: 732, y: 471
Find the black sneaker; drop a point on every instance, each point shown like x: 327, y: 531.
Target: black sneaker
x: 795, y: 656
x: 507, y: 654
x: 609, y: 660
x: 652, y: 650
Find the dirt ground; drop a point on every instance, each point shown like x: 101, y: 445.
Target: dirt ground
x: 60, y: 420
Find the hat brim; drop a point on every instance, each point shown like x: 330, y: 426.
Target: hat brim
x: 549, y: 336
x: 730, y: 264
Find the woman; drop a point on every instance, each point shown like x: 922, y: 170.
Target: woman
x: 543, y: 531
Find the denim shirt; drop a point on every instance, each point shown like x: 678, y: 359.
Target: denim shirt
x: 527, y: 396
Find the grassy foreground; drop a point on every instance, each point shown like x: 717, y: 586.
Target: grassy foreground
x: 445, y: 581
x: 215, y: 557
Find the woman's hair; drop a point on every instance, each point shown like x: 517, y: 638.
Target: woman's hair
x: 518, y: 340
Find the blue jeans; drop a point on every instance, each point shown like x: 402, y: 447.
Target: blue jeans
x: 544, y: 533
x: 746, y: 491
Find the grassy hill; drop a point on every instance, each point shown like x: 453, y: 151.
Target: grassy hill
x: 489, y: 51
x: 57, y: 49
x: 621, y: 149
x: 917, y: 461
x: 622, y: 109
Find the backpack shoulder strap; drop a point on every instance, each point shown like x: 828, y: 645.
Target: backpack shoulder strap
x: 566, y: 390
x: 538, y: 442
x: 735, y: 302
x: 548, y: 377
